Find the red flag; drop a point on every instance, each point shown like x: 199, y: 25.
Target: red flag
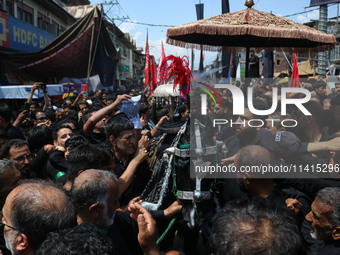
x: 153, y: 76
x: 294, y: 80
x: 162, y: 71
x: 147, y: 63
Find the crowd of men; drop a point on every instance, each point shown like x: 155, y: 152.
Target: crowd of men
x: 71, y: 173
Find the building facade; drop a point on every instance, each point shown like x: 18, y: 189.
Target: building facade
x: 131, y: 65
x: 30, y: 25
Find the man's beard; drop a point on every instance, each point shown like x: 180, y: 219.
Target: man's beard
x: 106, y: 220
x: 9, y: 239
x: 320, y: 234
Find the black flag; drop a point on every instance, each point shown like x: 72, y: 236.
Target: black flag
x: 225, y: 55
x: 225, y: 6
x: 268, y: 66
x: 200, y: 15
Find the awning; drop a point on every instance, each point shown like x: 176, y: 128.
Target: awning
x: 81, y: 51
x: 305, y: 69
x: 23, y: 91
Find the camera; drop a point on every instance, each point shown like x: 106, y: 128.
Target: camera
x: 43, y: 85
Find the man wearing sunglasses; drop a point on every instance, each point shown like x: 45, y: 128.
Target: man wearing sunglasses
x: 38, y: 117
x: 18, y: 151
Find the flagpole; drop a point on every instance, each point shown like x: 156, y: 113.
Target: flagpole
x: 147, y: 62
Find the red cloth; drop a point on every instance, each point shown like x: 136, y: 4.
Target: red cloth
x: 147, y: 64
x: 153, y: 76
x: 294, y: 80
x: 162, y: 69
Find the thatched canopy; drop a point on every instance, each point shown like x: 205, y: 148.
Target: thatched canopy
x: 249, y: 28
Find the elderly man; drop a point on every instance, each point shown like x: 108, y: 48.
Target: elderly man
x: 31, y: 211
x: 325, y: 219
x: 95, y: 196
x: 255, y: 229
x: 82, y: 239
x: 9, y: 177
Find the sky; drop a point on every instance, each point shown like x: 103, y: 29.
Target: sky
x: 165, y: 13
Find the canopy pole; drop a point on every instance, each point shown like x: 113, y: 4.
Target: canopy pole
x: 91, y: 59
x: 322, y: 56
x: 247, y: 62
x: 90, y: 55
x: 192, y: 60
x: 284, y: 54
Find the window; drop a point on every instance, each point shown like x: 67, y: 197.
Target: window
x: 25, y: 13
x: 43, y: 22
x: 53, y: 28
x: 10, y: 8
x: 25, y: 16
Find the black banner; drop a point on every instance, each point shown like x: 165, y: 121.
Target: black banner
x: 322, y: 2
x: 200, y: 15
x: 225, y: 6
x: 105, y: 66
x: 199, y: 11
x: 226, y: 55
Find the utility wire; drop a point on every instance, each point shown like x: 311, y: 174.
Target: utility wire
x: 146, y: 24
x: 156, y: 25
x: 294, y: 14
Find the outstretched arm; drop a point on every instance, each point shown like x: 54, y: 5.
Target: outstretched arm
x: 36, y: 85
x: 331, y: 145
x: 141, y: 154
x: 155, y: 132
x: 77, y: 99
x: 46, y: 99
x: 97, y: 116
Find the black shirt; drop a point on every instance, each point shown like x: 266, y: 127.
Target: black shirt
x: 138, y: 183
x: 330, y: 248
